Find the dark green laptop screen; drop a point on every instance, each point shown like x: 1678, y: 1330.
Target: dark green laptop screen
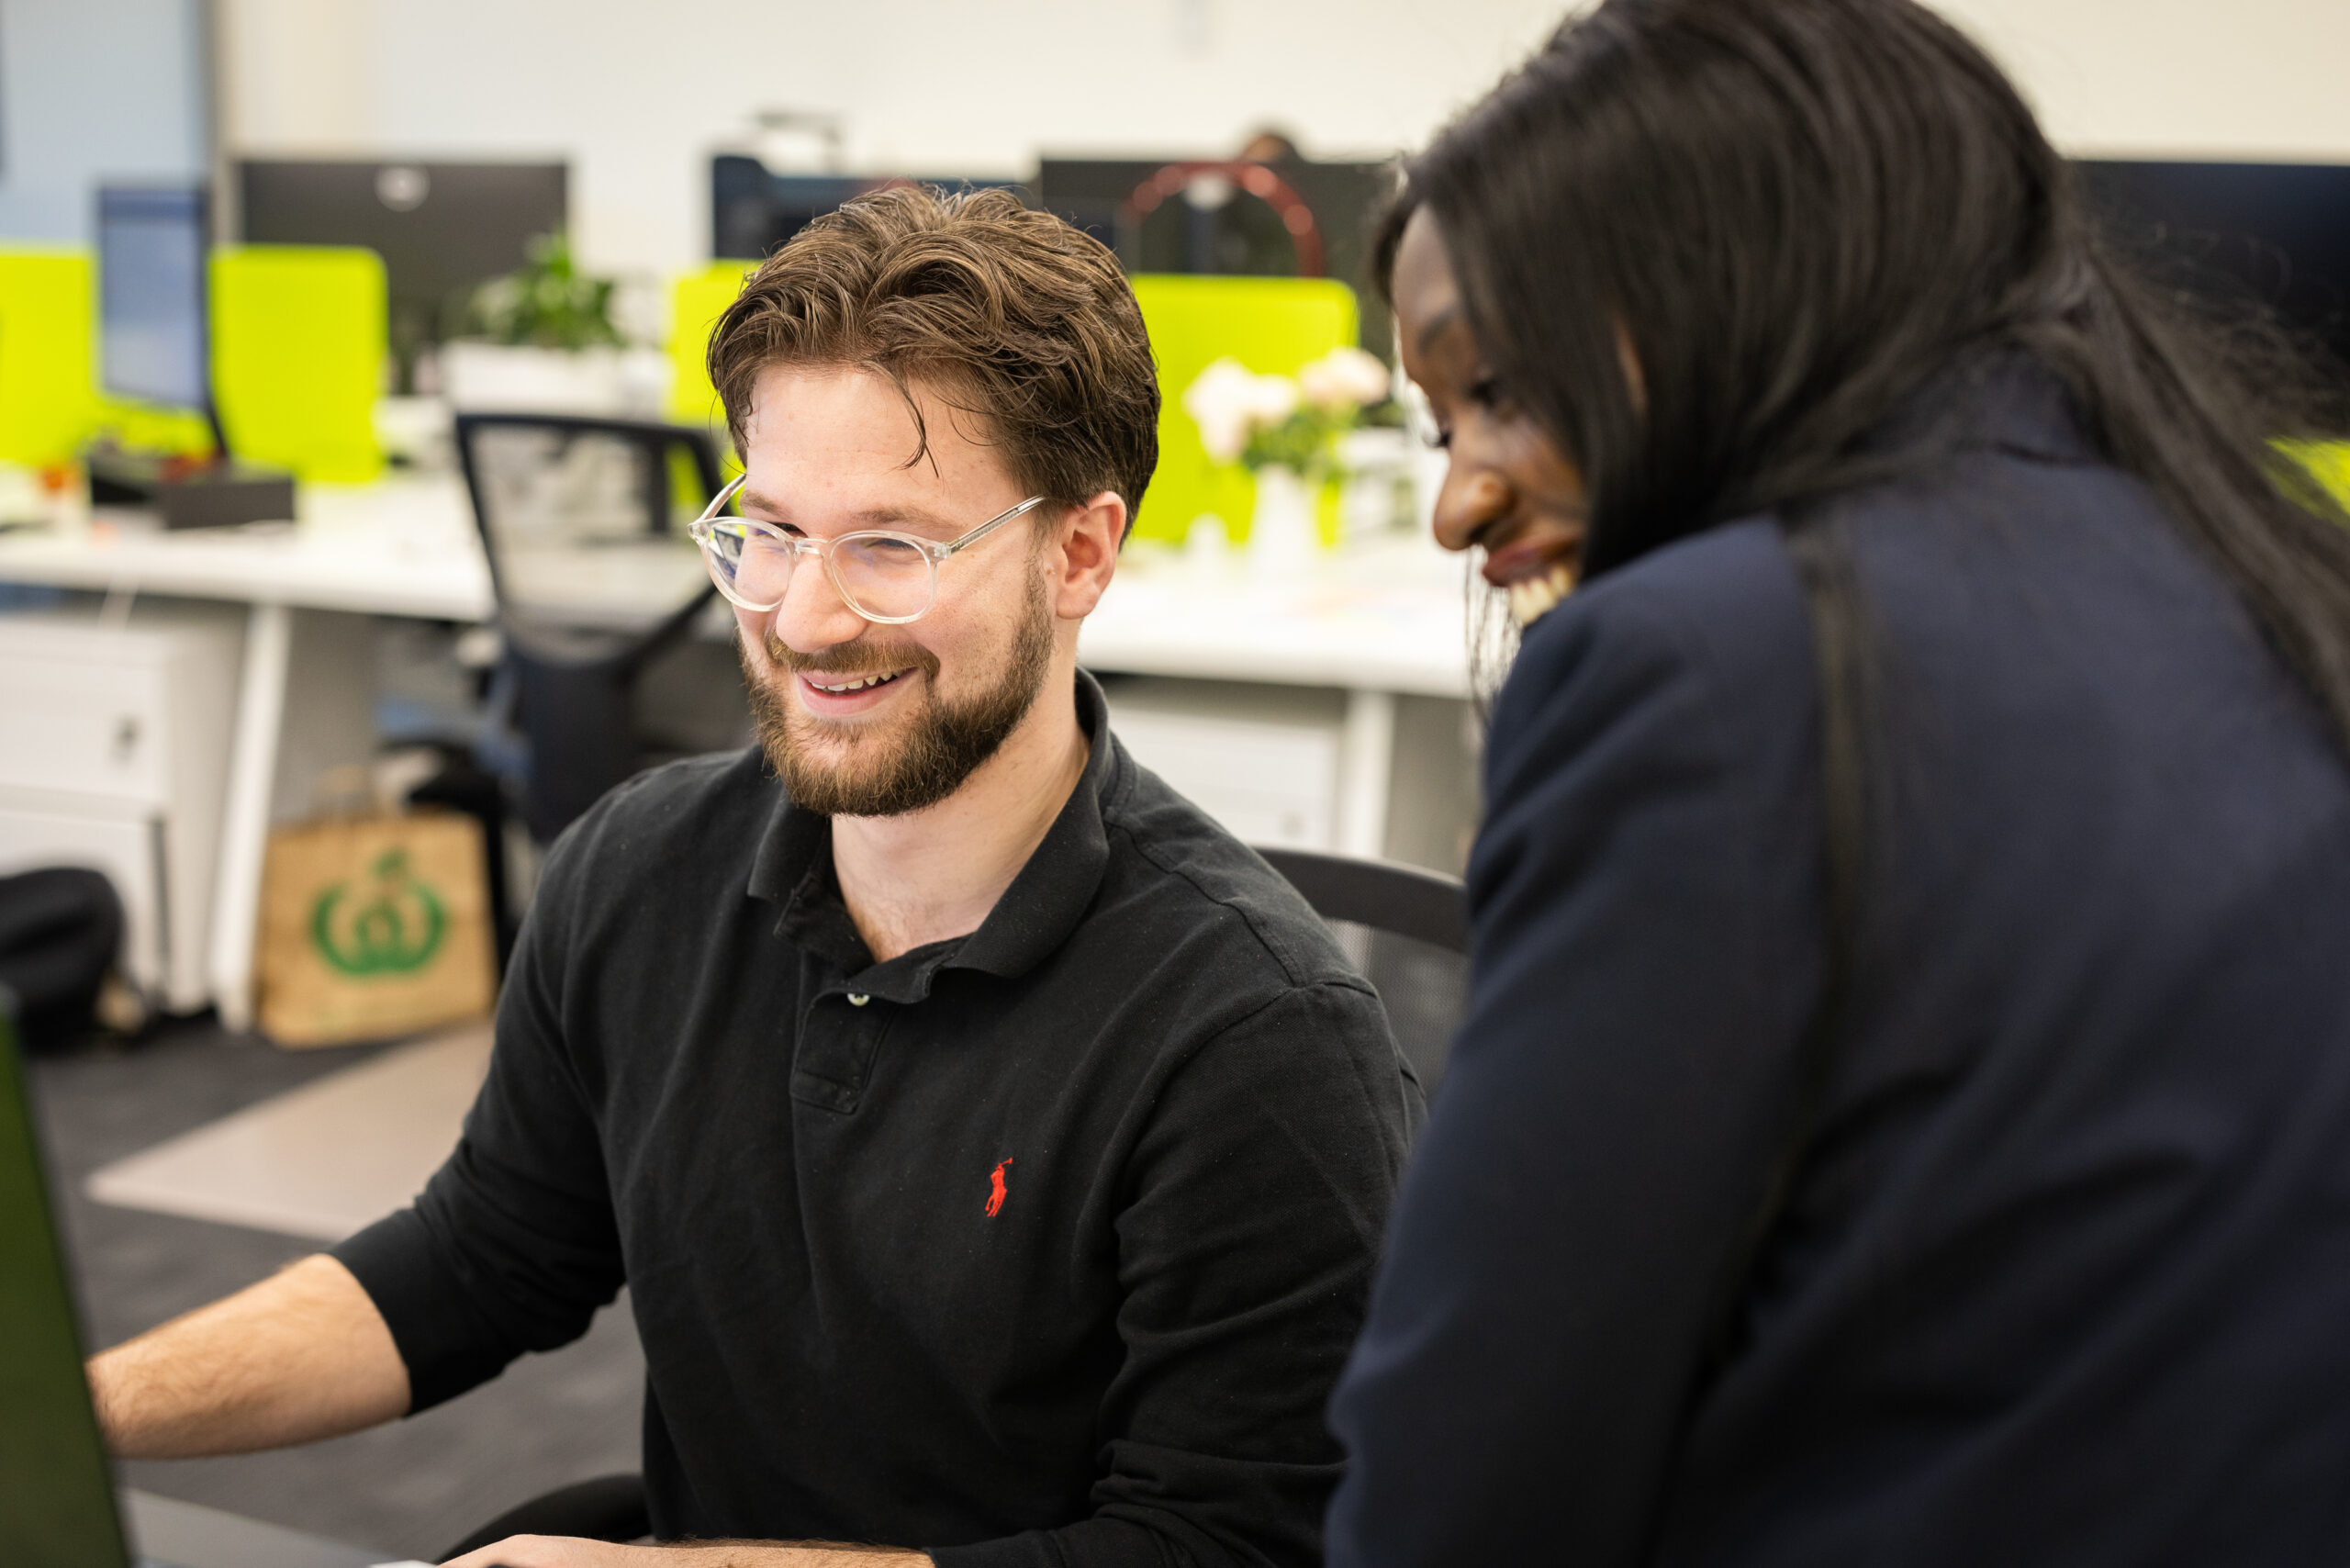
x: 56, y: 1497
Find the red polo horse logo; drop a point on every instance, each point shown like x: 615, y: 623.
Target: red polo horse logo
x: 995, y: 1189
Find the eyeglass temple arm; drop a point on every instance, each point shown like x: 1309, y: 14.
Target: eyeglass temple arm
x: 725, y: 493
x: 998, y: 520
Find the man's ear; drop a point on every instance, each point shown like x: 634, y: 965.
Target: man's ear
x: 1084, y: 556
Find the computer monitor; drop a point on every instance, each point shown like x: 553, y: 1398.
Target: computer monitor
x: 57, y: 1502
x: 752, y: 210
x: 1242, y: 235
x: 442, y: 229
x: 155, y: 346
x: 2276, y: 232
x: 154, y: 342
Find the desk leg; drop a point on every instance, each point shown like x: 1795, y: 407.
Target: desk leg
x: 1366, y: 763
x: 244, y: 828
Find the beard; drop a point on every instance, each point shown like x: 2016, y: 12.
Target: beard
x: 838, y: 770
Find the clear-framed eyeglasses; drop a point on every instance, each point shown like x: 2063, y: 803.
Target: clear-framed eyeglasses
x: 883, y: 576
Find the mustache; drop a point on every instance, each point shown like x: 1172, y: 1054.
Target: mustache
x: 859, y: 657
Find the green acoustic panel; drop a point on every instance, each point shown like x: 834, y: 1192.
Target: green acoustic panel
x: 56, y: 1504
x: 1273, y: 325
x: 298, y: 356
x: 49, y: 403
x: 696, y: 302
x: 2330, y: 461
x: 145, y: 428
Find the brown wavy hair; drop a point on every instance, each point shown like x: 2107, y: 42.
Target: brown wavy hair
x: 1010, y: 316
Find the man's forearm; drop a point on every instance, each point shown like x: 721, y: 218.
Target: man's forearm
x: 300, y: 1356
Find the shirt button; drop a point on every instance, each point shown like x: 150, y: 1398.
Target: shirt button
x: 857, y: 999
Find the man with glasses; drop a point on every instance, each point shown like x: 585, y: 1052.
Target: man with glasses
x: 995, y: 1150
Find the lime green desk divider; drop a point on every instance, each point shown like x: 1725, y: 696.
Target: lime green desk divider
x: 1273, y: 325
x: 298, y: 357
x: 50, y: 407
x: 49, y: 401
x: 2327, y: 461
x: 696, y: 302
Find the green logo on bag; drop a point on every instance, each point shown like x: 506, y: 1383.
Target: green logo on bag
x: 392, y: 927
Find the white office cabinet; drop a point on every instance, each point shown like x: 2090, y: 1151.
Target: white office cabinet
x: 1263, y: 761
x: 114, y: 754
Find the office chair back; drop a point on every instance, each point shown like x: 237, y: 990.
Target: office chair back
x: 582, y: 521
x: 582, y: 518
x: 1406, y: 929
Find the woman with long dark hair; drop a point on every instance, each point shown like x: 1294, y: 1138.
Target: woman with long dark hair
x: 1904, y: 1111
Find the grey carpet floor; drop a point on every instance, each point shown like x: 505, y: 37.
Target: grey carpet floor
x: 406, y: 1490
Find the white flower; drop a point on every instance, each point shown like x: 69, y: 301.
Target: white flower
x: 1272, y: 399
x: 1230, y: 403
x: 1219, y: 403
x: 1345, y: 378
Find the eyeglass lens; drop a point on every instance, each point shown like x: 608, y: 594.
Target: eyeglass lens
x: 880, y: 575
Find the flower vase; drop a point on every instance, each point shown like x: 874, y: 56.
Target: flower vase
x: 1283, y: 537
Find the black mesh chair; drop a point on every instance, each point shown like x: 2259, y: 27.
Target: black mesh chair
x: 1403, y: 927
x: 595, y: 577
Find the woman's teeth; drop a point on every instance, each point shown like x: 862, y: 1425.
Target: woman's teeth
x: 858, y: 684
x: 1533, y: 597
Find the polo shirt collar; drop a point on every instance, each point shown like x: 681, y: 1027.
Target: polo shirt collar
x: 793, y: 867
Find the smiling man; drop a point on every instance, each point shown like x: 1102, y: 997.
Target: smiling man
x: 994, y: 1149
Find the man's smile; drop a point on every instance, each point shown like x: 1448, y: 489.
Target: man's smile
x: 856, y: 685
x: 831, y: 694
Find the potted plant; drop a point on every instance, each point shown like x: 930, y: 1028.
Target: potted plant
x: 1285, y: 431
x: 544, y: 339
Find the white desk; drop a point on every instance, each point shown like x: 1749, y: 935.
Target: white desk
x: 188, y: 1535
x: 1374, y: 623
x: 399, y: 548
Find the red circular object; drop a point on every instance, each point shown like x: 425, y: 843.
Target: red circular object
x: 1304, y: 233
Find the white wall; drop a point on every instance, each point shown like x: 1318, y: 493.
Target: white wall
x: 94, y: 89
x: 2247, y: 79
x: 636, y: 94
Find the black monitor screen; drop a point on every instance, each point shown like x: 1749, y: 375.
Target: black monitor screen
x: 442, y: 229
x: 2279, y: 233
x: 751, y: 211
x: 1238, y: 234
x: 56, y: 1494
x: 151, y: 247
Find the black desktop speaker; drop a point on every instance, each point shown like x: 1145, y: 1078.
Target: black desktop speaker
x: 190, y: 494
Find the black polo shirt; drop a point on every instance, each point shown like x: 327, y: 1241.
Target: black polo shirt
x: 1044, y: 1244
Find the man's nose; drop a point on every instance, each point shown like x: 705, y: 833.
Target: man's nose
x: 812, y: 616
x: 1467, y: 501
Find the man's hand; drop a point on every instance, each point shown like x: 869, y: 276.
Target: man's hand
x: 564, y: 1551
x: 300, y: 1356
